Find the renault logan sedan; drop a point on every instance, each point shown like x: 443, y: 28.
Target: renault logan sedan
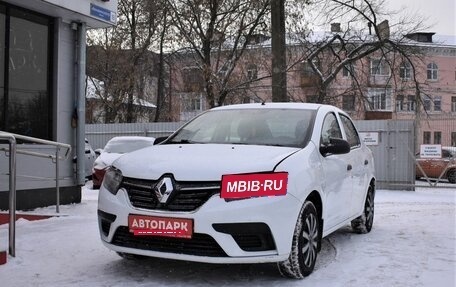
x: 246, y: 183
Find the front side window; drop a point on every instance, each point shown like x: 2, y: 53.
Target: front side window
x: 432, y: 71
x: 330, y: 129
x: 25, y: 97
x: 350, y: 131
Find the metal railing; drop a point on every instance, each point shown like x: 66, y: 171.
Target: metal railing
x: 11, y: 152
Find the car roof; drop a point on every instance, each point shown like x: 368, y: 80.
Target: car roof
x: 303, y: 106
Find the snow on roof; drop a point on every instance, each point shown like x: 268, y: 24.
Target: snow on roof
x: 94, y: 86
x: 321, y: 36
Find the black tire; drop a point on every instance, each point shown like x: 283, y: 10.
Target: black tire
x: 363, y: 223
x: 451, y: 175
x: 304, y: 249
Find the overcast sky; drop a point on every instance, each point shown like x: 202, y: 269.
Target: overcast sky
x: 440, y: 13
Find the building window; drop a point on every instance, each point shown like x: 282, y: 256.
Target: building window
x: 437, y: 104
x: 453, y: 104
x: 25, y: 93
x: 432, y: 71
x: 348, y: 103
x: 426, y: 137
x: 437, y: 137
x: 427, y: 103
x: 307, y: 68
x: 379, y: 99
x: 348, y: 71
x: 252, y: 73
x: 405, y: 71
x: 411, y: 103
x: 399, y: 103
x: 453, y: 138
x: 379, y: 68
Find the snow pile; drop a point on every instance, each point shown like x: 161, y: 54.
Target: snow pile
x: 412, y: 243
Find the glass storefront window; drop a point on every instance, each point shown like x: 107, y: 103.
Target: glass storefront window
x: 26, y: 104
x: 2, y: 65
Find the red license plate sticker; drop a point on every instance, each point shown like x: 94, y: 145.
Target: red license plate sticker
x: 254, y: 184
x: 160, y: 226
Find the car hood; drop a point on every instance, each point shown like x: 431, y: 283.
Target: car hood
x: 200, y: 162
x: 106, y: 159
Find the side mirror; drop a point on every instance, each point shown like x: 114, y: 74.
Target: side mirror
x: 159, y: 140
x: 335, y: 146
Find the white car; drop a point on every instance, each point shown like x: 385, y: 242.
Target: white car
x: 246, y: 183
x: 89, y: 159
x: 114, y: 148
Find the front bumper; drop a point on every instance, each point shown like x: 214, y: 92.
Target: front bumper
x: 278, y: 213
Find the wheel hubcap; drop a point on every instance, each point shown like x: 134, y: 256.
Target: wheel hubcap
x: 310, y: 242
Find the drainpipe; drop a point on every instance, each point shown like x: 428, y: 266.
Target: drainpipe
x: 80, y: 95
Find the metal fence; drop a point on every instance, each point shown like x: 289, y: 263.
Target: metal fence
x: 392, y: 143
x: 99, y: 134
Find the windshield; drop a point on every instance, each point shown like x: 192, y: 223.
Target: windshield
x: 277, y: 127
x: 124, y: 146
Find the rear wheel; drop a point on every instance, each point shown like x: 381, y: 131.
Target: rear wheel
x: 304, y: 249
x: 363, y: 223
x: 452, y: 176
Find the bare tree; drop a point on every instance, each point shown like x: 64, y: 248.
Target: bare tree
x: 360, y: 30
x: 218, y: 33
x: 123, y: 60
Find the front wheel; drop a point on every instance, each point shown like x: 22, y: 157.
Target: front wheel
x: 304, y: 249
x: 363, y: 223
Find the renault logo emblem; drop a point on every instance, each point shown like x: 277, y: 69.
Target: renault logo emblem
x: 163, y: 189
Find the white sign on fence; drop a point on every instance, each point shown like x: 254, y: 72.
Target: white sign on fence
x: 369, y: 138
x: 431, y: 151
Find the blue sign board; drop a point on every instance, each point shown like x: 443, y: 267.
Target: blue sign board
x: 102, y: 13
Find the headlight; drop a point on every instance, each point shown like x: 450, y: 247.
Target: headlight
x: 112, y: 180
x: 98, y: 164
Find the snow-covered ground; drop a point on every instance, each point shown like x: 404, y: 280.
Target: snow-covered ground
x: 412, y: 243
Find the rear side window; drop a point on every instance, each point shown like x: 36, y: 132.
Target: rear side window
x: 350, y: 131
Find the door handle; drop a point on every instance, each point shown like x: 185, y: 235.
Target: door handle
x: 366, y: 162
x: 349, y: 167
